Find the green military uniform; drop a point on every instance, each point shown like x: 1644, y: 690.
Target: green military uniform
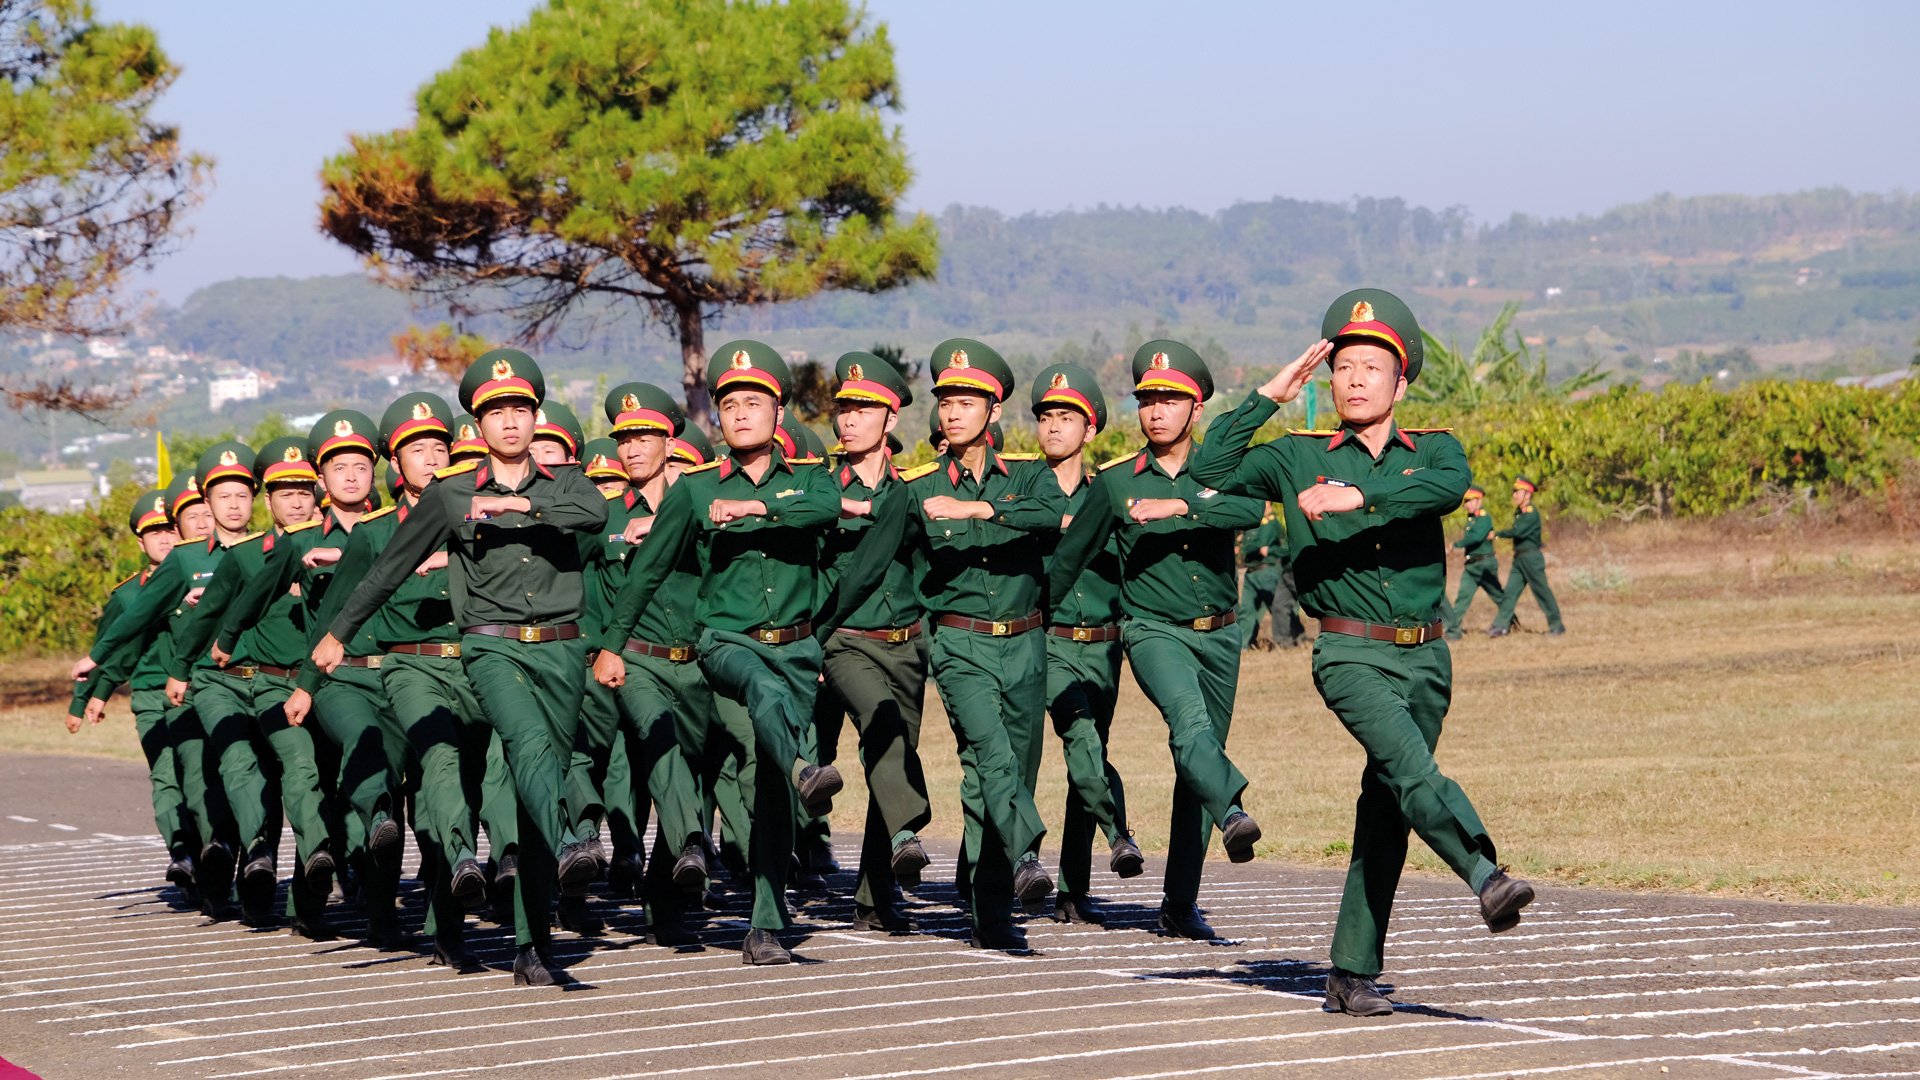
x: 1529, y: 567
x: 981, y: 582
x: 1083, y: 674
x: 133, y: 647
x: 759, y: 576
x: 1267, y: 584
x: 411, y: 642
x: 1482, y: 570
x: 1177, y: 587
x: 876, y: 664
x: 517, y: 595
x: 264, y: 653
x: 629, y: 753
x: 1376, y: 578
x: 138, y: 665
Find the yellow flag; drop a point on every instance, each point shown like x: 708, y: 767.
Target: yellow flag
x: 162, y: 463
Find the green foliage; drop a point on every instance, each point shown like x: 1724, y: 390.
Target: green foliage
x: 685, y: 157
x: 1501, y: 368
x: 58, y: 571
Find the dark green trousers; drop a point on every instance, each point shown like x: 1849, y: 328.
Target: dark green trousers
x: 1267, y: 586
x: 664, y: 705
x: 1393, y: 699
x: 588, y: 796
x: 1190, y: 676
x: 531, y: 695
x: 301, y: 796
x: 884, y: 686
x: 172, y: 817
x: 1529, y: 572
x: 189, y: 741
x: 771, y: 688
x: 243, y: 809
x: 354, y: 713
x: 449, y: 736
x: 1479, y: 575
x: 1083, y: 685
x: 994, y: 691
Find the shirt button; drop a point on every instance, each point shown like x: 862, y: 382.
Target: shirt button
x: 524, y: 558
x: 1376, y: 547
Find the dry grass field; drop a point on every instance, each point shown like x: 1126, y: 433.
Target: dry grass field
x: 1726, y: 714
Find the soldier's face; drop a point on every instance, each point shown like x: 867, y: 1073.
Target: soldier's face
x: 196, y: 521
x: 155, y: 543
x: 231, y: 502
x: 1167, y: 417
x: 1064, y: 432
x: 508, y: 428
x: 419, y: 459
x: 643, y: 454
x: 1366, y: 383
x: 748, y: 418
x: 1520, y: 497
x: 348, y: 478
x: 964, y: 416
x: 291, y: 504
x: 863, y: 426
x: 550, y: 452
x: 1472, y: 505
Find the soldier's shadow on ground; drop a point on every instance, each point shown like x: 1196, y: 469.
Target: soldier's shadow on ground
x: 1303, y: 979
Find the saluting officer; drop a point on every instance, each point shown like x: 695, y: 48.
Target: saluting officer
x: 1364, y: 507
x: 1178, y: 585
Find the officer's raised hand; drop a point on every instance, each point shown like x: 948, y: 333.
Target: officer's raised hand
x: 1322, y: 499
x: 1294, y: 378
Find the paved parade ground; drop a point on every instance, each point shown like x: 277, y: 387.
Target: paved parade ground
x: 102, y: 976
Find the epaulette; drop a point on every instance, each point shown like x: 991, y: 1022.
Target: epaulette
x: 612, y: 495
x: 1427, y: 430
x: 1020, y: 457
x: 382, y: 512
x: 456, y: 470
x: 919, y: 471
x: 714, y: 464
x: 805, y: 461
x: 130, y: 580
x: 303, y: 526
x: 1314, y: 432
x: 249, y: 538
x: 1119, y: 461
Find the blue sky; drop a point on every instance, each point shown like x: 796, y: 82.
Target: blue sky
x: 1501, y: 108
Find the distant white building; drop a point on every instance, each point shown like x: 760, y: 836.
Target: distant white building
x: 240, y: 384
x: 54, y: 490
x: 106, y: 348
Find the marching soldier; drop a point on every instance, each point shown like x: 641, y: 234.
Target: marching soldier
x: 508, y: 524
x: 1178, y: 586
x: 755, y: 520
x: 981, y: 523
x: 1267, y: 584
x: 1364, y: 506
x: 1529, y: 565
x: 1482, y: 570
x: 876, y: 660
x: 1083, y: 651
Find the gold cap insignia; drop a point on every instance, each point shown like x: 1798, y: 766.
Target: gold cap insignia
x: 741, y: 361
x: 292, y: 454
x: 342, y: 428
x: 1059, y: 381
x: 600, y: 461
x: 193, y: 483
x: 422, y: 411
x: 1362, y: 312
x: 958, y: 359
x: 467, y: 432
x: 502, y: 369
x: 228, y: 457
x: 160, y: 504
x: 540, y: 418
x: 1159, y: 362
x: 854, y: 371
x: 629, y: 402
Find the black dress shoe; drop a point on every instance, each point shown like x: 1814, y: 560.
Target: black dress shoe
x: 804, y: 878
x: 1183, y: 920
x: 1238, y: 834
x: 1355, y: 995
x: 668, y: 931
x: 1501, y: 898
x: 889, y: 918
x: 454, y: 956
x: 623, y: 874
x: 573, y: 914
x: 577, y: 869
x: 213, y: 874
x: 530, y: 968
x: 469, y: 884
x: 386, y: 932
x: 820, y: 857
x: 761, y: 947
x: 1030, y: 880
x: 818, y: 784
x: 1125, y: 859
x: 314, y: 928
x: 180, y: 871
x: 690, y: 869
x: 1001, y: 937
x: 318, y: 872
x: 1069, y: 908
x: 909, y: 859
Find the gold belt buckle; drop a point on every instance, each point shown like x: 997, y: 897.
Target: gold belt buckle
x: 373, y: 662
x: 678, y: 653
x: 449, y: 651
x: 1204, y: 622
x: 899, y: 634
x: 1001, y: 629
x: 530, y: 634
x: 1083, y: 633
x: 769, y: 637
x: 1406, y: 635
x: 246, y: 671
